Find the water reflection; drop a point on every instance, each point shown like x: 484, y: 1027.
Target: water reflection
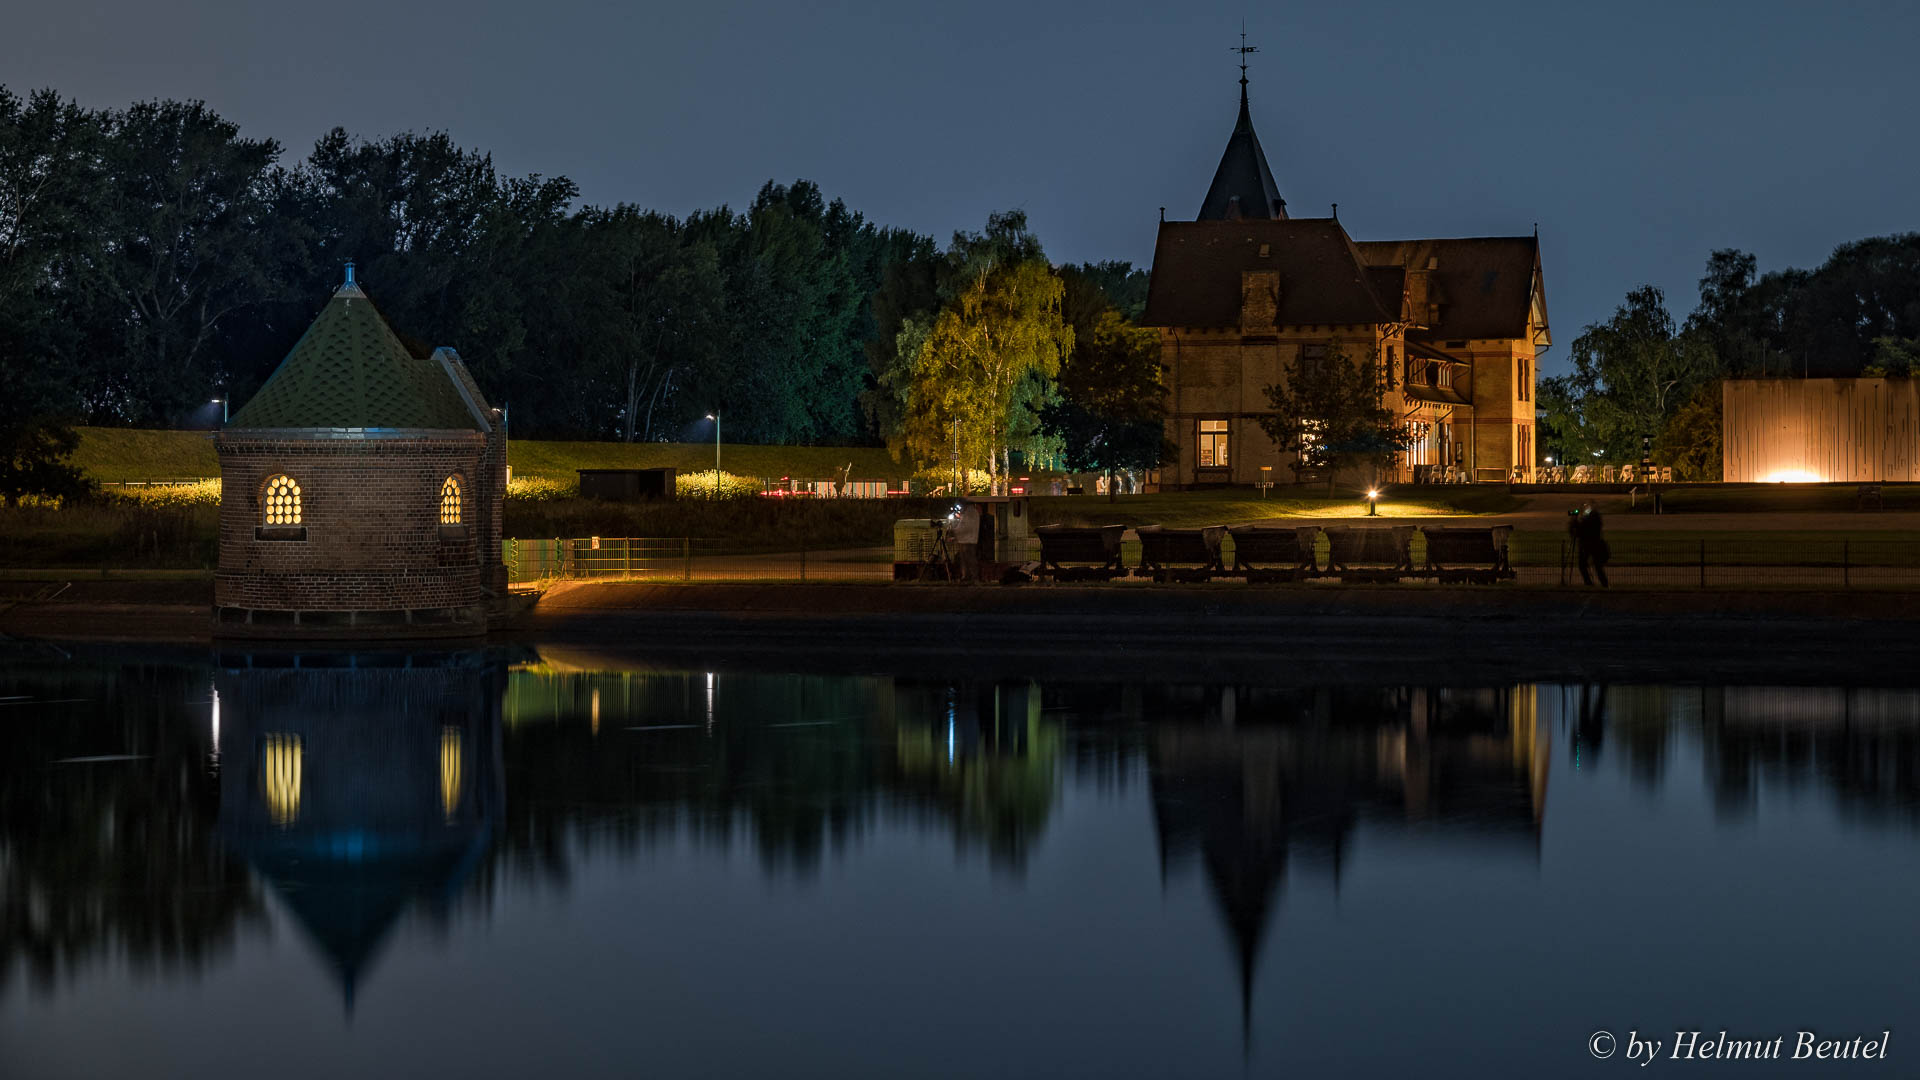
x: 360, y: 786
x: 1247, y: 780
x: 107, y: 795
x: 163, y: 817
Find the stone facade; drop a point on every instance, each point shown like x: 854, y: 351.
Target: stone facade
x: 370, y: 551
x: 1452, y: 329
x: 361, y: 492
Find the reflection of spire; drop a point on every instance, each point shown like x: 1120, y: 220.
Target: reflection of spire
x: 1297, y: 770
x: 360, y: 790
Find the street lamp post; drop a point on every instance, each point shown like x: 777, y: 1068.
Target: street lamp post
x: 715, y: 417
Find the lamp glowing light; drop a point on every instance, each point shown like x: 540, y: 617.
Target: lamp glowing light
x: 1373, y: 502
x: 1791, y: 476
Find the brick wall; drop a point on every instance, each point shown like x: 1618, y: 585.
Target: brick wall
x: 371, y: 513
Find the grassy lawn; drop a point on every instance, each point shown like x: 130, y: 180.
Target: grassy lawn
x: 1881, y: 547
x: 1783, y: 498
x: 1235, y: 506
x: 114, y: 455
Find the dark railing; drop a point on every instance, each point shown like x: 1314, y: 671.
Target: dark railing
x: 1538, y: 559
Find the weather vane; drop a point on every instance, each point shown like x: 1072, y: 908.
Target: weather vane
x: 1244, y: 49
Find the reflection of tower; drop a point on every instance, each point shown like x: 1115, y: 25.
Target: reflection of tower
x: 358, y: 785
x: 1247, y: 779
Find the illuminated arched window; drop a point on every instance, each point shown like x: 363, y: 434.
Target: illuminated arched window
x: 282, y: 502
x: 450, y: 501
x: 280, y: 778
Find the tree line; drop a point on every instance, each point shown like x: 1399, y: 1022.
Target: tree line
x: 1639, y: 378
x: 154, y: 258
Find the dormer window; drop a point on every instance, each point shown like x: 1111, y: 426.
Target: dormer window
x: 450, y: 501
x: 281, y: 506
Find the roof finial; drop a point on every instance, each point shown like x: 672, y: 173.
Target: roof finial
x: 1336, y: 211
x: 349, y: 272
x: 1244, y: 49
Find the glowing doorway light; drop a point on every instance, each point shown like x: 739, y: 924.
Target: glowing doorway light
x: 709, y: 701
x: 216, y: 722
x: 1791, y: 476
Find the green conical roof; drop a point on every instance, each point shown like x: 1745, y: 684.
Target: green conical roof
x: 350, y: 371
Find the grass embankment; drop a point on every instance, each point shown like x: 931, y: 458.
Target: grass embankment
x: 119, y: 455
x: 755, y: 524
x: 112, y: 534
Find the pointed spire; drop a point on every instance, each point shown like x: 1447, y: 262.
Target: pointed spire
x: 1243, y: 179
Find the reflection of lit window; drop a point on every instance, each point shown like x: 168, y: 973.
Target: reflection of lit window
x: 450, y: 501
x: 449, y: 769
x: 282, y: 501
x: 1213, y: 443
x: 280, y: 778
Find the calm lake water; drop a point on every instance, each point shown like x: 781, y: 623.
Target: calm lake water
x: 548, y: 863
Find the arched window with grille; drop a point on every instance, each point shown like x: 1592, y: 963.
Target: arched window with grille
x: 281, y: 503
x: 450, y: 501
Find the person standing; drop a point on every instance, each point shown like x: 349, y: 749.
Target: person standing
x: 1590, y: 543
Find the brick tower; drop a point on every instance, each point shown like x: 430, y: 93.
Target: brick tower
x: 360, y: 491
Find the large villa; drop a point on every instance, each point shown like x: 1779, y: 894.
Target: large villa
x: 1245, y: 290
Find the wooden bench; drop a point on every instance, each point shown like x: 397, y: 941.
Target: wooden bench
x: 1180, y: 554
x: 1869, y: 497
x: 1079, y: 553
x: 1370, y: 554
x: 1468, y: 553
x: 1267, y: 553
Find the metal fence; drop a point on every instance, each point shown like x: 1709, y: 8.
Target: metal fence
x: 1537, y: 559
x: 684, y: 559
x: 1739, y: 562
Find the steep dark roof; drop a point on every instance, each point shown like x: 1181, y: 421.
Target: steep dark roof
x: 349, y: 370
x: 1197, y: 267
x: 1484, y: 284
x: 1243, y: 175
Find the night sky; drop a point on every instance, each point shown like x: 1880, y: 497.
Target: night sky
x: 1638, y: 135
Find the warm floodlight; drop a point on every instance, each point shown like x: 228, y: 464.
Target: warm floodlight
x: 1791, y: 476
x: 1373, y: 502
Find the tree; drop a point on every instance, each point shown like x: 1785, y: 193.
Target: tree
x: 1691, y: 441
x: 181, y: 253
x: 1327, y: 410
x: 978, y: 371
x: 33, y: 460
x: 1003, y: 326
x: 1633, y: 370
x: 1112, y: 401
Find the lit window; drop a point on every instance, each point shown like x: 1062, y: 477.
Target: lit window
x: 450, y: 501
x: 283, y: 501
x: 280, y: 778
x: 1213, y: 444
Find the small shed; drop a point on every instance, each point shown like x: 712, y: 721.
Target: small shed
x: 626, y: 485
